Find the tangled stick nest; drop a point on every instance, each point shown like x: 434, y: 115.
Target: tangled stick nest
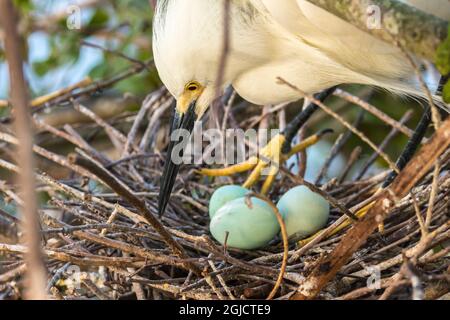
x: 103, y: 239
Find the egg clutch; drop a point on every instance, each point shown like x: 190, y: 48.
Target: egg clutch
x: 249, y: 223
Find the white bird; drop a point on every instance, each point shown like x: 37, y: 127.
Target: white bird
x: 291, y: 39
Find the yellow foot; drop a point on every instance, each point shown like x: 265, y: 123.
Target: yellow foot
x: 270, y: 158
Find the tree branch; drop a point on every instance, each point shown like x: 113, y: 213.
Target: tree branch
x: 416, y: 31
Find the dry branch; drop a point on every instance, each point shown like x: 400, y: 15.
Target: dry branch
x: 328, y: 267
x: 36, y: 274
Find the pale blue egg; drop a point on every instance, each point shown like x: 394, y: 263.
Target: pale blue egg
x: 248, y: 227
x: 223, y: 195
x: 304, y: 212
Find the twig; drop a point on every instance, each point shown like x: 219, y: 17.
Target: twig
x: 116, y: 137
x: 54, y: 95
x: 399, y: 126
x: 125, y: 192
x: 354, y: 157
x: 419, y: 32
x: 148, y: 103
x: 433, y: 194
x: 335, y: 203
x: 406, y: 117
x: 13, y: 274
x: 49, y: 155
x: 284, y: 236
x: 361, y: 135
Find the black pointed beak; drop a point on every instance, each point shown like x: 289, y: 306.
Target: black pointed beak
x: 184, y: 123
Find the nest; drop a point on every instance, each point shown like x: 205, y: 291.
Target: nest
x: 103, y: 239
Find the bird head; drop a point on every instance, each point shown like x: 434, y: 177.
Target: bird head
x: 187, y: 53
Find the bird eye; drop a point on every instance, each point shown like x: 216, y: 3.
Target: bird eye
x: 192, y: 87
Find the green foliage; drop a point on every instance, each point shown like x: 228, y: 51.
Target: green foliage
x: 134, y: 17
x: 443, y: 64
x: 443, y: 56
x: 65, y: 49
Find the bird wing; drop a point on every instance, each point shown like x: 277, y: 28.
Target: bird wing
x: 344, y: 43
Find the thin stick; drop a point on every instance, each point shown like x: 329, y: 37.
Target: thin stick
x: 36, y: 271
x: 356, y: 153
x: 116, y: 53
x: 435, y: 115
x: 54, y: 95
x: 329, y: 266
x: 361, y: 135
x: 284, y: 236
x: 399, y: 126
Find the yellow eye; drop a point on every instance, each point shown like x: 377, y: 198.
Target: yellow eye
x: 192, y: 86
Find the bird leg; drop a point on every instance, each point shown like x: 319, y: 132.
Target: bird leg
x: 278, y: 150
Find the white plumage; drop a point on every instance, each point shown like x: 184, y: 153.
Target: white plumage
x: 292, y: 39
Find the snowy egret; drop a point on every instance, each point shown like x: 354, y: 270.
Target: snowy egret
x: 291, y: 39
